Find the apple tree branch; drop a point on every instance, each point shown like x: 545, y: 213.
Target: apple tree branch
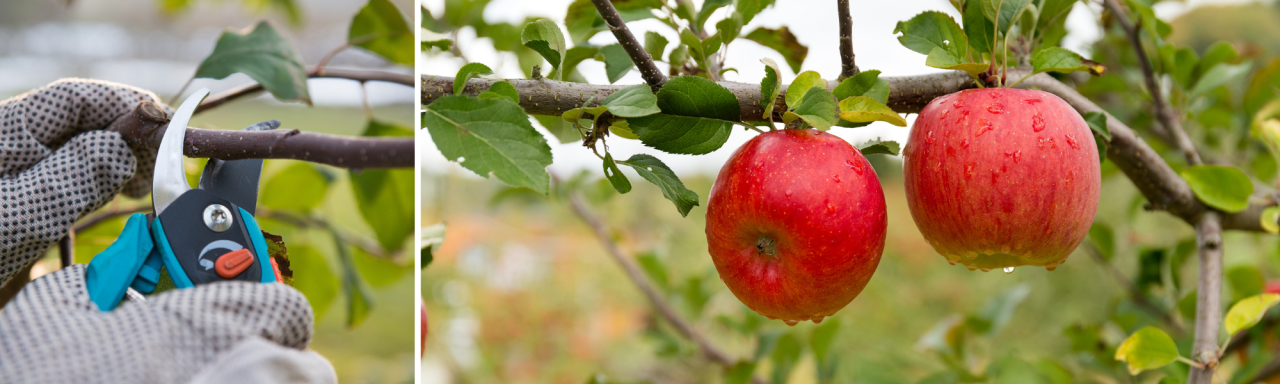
x: 648, y: 70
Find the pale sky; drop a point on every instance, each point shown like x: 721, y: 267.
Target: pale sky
x: 812, y: 21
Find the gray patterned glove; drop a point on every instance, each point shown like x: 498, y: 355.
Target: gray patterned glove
x: 57, y: 165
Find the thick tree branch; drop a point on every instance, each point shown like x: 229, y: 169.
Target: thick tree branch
x: 847, y: 68
x: 648, y: 70
x: 1169, y: 118
x: 1163, y: 187
x: 1208, y: 299
x: 650, y: 292
x: 315, y: 72
x: 144, y: 127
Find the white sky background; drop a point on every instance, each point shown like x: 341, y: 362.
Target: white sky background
x: 813, y: 22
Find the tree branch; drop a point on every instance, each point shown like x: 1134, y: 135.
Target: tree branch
x: 648, y: 70
x: 1164, y: 111
x: 650, y: 292
x: 1208, y: 299
x: 1157, y: 181
x: 314, y: 72
x: 103, y: 216
x: 848, y: 68
x: 306, y: 221
x: 144, y: 127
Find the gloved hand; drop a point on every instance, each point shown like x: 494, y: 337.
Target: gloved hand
x: 56, y: 166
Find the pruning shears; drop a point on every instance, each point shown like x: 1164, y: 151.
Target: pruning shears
x: 198, y: 236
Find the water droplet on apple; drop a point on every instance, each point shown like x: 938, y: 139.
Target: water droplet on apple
x: 996, y: 108
x: 958, y: 104
x: 788, y: 193
x: 994, y: 94
x: 983, y: 127
x: 1008, y: 269
x: 817, y: 319
x: 995, y: 176
x: 1037, y: 122
x: 1031, y: 101
x: 952, y: 262
x: 1046, y: 142
x: 928, y: 137
x: 1051, y: 266
x: 968, y: 171
x: 944, y: 114
x: 1071, y: 140
x: 951, y: 151
x: 971, y: 268
x: 856, y: 167
x: 831, y: 208
x: 1016, y: 155
x: 963, y: 115
x: 792, y: 323
x: 986, y: 269
x: 836, y: 178
x: 1004, y: 168
x: 964, y: 144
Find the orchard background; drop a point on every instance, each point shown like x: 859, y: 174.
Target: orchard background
x: 362, y: 295
x: 519, y: 289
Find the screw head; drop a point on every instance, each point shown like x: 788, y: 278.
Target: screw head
x: 217, y: 217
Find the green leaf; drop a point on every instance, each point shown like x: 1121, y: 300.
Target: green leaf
x: 265, y: 56
x: 616, y: 61
x: 315, y: 279
x: 356, y: 290
x: 632, y: 101
x: 823, y: 336
x: 655, y: 44
x: 1245, y: 281
x: 865, y: 83
x: 751, y: 8
x: 1218, y: 75
x: 801, y: 86
x: 622, y: 129
x: 615, y: 176
x: 939, y: 58
x: 1103, y: 237
x: 712, y: 44
x: 739, y: 373
x: 1219, y: 186
x: 1051, y: 10
x: 864, y: 109
x: 1003, y: 13
x: 818, y: 109
x: 1062, y: 60
x: 378, y: 271
x: 932, y: 29
x: 574, y: 56
x: 999, y: 309
x: 877, y: 147
x: 1098, y: 124
x: 385, y: 196
x: 432, y: 237
x: 1271, y: 219
x: 583, y: 20
x: 729, y: 28
x: 306, y: 186
x: 490, y: 136
x: 563, y: 131
x: 695, y: 47
x: 696, y: 117
x: 709, y: 6
x: 782, y: 41
x: 653, y: 267
x: 380, y: 28
x: 1148, y: 348
x: 1248, y: 312
x: 698, y: 97
x: 504, y: 90
x: 770, y: 87
x: 544, y: 36
x: 1219, y: 52
x: 653, y: 170
x: 678, y: 55
x: 786, y: 354
x: 443, y: 44
x: 466, y: 73
x: 978, y: 29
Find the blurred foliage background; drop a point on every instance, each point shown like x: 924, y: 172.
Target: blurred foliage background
x: 361, y: 289
x: 520, y: 291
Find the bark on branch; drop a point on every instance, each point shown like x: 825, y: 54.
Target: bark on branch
x: 1163, y: 187
x: 144, y: 127
x: 847, y: 66
x: 648, y: 70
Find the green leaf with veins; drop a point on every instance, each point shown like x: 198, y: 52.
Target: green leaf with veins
x: 385, y: 196
x: 799, y: 88
x: 264, y: 55
x: 698, y: 97
x: 466, y: 73
x: 655, y: 44
x: 504, y: 90
x: 729, y: 28
x: 1218, y: 75
x: 656, y: 172
x: 632, y: 101
x: 544, y: 36
x: 978, y: 29
x: 818, y: 109
x: 782, y: 41
x: 308, y: 186
x: 1062, y: 60
x: 863, y: 109
x: 940, y: 58
x: 490, y: 136
x: 1148, y: 348
x: 751, y: 8
x: 622, y: 128
x: 770, y: 87
x: 877, y: 147
x: 695, y: 47
x: 615, y: 176
x: 932, y: 29
x: 380, y: 28
x: 865, y: 83
x: 616, y: 61
x: 1219, y: 186
x: 681, y: 134
x: 1003, y: 13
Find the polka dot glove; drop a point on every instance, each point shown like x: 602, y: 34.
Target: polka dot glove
x: 52, y: 333
x: 57, y: 165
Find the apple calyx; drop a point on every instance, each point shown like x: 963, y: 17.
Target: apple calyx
x: 766, y: 246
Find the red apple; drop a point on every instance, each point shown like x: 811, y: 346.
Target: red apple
x: 1272, y: 286
x: 422, y: 348
x: 796, y: 224
x: 997, y: 178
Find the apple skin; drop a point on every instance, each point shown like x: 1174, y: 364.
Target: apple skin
x: 422, y: 348
x: 820, y: 203
x: 1000, y: 177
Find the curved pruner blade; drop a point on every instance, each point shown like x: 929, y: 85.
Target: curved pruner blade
x: 170, y: 180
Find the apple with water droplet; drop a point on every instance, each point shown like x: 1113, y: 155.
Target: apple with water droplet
x: 998, y: 178
x: 796, y: 224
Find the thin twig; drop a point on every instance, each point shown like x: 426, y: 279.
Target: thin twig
x: 1138, y: 297
x: 648, y: 70
x: 1164, y: 111
x: 315, y: 72
x: 650, y: 292
x: 1208, y: 299
x: 848, y: 68
x: 307, y: 221
x: 104, y: 215
x: 144, y: 126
